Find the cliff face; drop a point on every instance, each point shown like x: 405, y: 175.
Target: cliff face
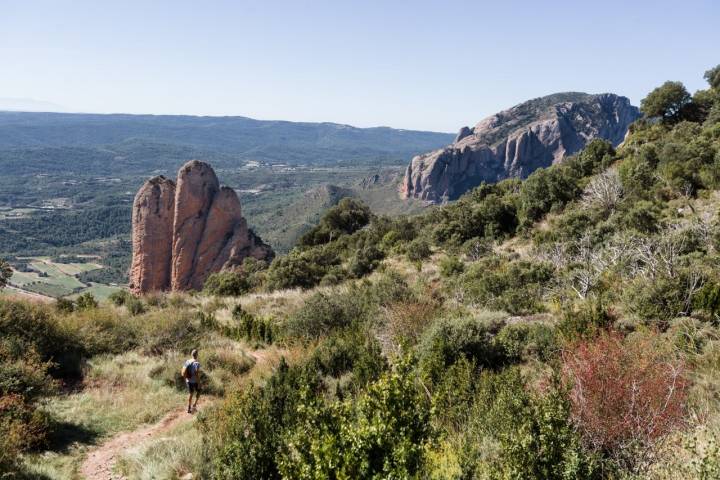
x: 516, y: 142
x: 183, y: 233
x: 152, y: 220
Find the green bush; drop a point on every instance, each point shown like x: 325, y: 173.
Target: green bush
x: 347, y: 217
x: 86, y: 301
x: 29, y: 327
x: 321, y: 313
x: 226, y: 283
x: 350, y: 351
x: 64, y: 305
x: 525, y: 340
x: 450, y: 339
x: 135, y: 306
x: 535, y: 436
x: 515, y: 287
x: 488, y: 212
x: 246, y: 436
x: 451, y: 266
x: 584, y: 320
x: 120, y: 297
x: 384, y: 433
x: 544, y: 190
x: 304, y: 269
x: 365, y: 261
x: 418, y: 250
x: 660, y: 300
x: 249, y: 327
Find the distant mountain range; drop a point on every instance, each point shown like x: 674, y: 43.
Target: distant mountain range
x: 117, y: 142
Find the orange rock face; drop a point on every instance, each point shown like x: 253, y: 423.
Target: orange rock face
x: 152, y: 221
x: 197, y: 186
x: 207, y: 233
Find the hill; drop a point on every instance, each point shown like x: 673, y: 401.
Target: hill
x: 114, y: 144
x: 517, y: 141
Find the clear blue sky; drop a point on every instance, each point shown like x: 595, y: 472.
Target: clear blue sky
x: 433, y: 65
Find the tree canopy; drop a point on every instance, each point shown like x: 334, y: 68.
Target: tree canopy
x: 713, y: 77
x: 666, y: 101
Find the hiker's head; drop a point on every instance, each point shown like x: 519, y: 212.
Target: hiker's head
x: 194, y: 353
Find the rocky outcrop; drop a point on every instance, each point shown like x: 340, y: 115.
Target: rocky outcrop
x: 197, y: 187
x: 516, y: 142
x: 152, y: 224
x: 183, y: 233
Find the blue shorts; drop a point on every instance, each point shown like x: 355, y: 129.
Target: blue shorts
x: 193, y: 387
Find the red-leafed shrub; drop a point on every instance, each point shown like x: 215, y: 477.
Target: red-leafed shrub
x: 624, y: 395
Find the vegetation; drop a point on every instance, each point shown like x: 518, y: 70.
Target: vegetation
x: 560, y: 327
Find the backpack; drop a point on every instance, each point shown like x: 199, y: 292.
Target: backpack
x: 187, y: 370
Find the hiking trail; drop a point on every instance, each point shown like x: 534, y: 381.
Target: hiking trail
x: 101, y: 460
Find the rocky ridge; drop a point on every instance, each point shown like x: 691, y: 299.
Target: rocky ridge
x: 184, y: 231
x: 516, y: 142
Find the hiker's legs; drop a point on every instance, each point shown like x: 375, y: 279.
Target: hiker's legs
x: 197, y: 396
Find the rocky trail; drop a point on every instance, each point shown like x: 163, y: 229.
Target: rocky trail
x: 100, y: 461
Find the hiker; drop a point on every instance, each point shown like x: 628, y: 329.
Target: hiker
x: 191, y: 374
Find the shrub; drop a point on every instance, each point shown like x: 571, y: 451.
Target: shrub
x: 350, y: 351
x: 226, y: 283
x: 708, y: 299
x: 246, y: 434
x: 64, y: 305
x: 585, y: 320
x: 347, y: 217
x: 249, y: 327
x: 625, y: 395
x: 525, y: 340
x: 135, y: 306
x: 120, y: 297
x: 168, y: 330
x: 660, y: 300
x: 25, y: 379
x: 364, y: 261
x: 323, y: 313
x: 449, y: 339
x: 535, y: 435
x: 515, y: 287
x: 304, y: 269
x: 29, y: 327
x: 597, y: 156
x: 418, y: 250
x: 384, y: 433
x: 86, y: 301
x: 451, y: 266
x: 498, y: 426
x: 544, y: 190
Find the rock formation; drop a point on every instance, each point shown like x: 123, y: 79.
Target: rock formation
x: 152, y: 222
x: 516, y: 142
x: 183, y: 233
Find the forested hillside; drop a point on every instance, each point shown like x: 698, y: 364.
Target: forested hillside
x: 565, y: 326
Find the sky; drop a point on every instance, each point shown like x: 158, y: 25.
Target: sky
x: 428, y: 65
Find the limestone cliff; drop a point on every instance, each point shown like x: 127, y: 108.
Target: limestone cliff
x: 516, y: 142
x: 183, y: 233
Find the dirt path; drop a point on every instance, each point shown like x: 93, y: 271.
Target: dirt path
x: 100, y: 461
